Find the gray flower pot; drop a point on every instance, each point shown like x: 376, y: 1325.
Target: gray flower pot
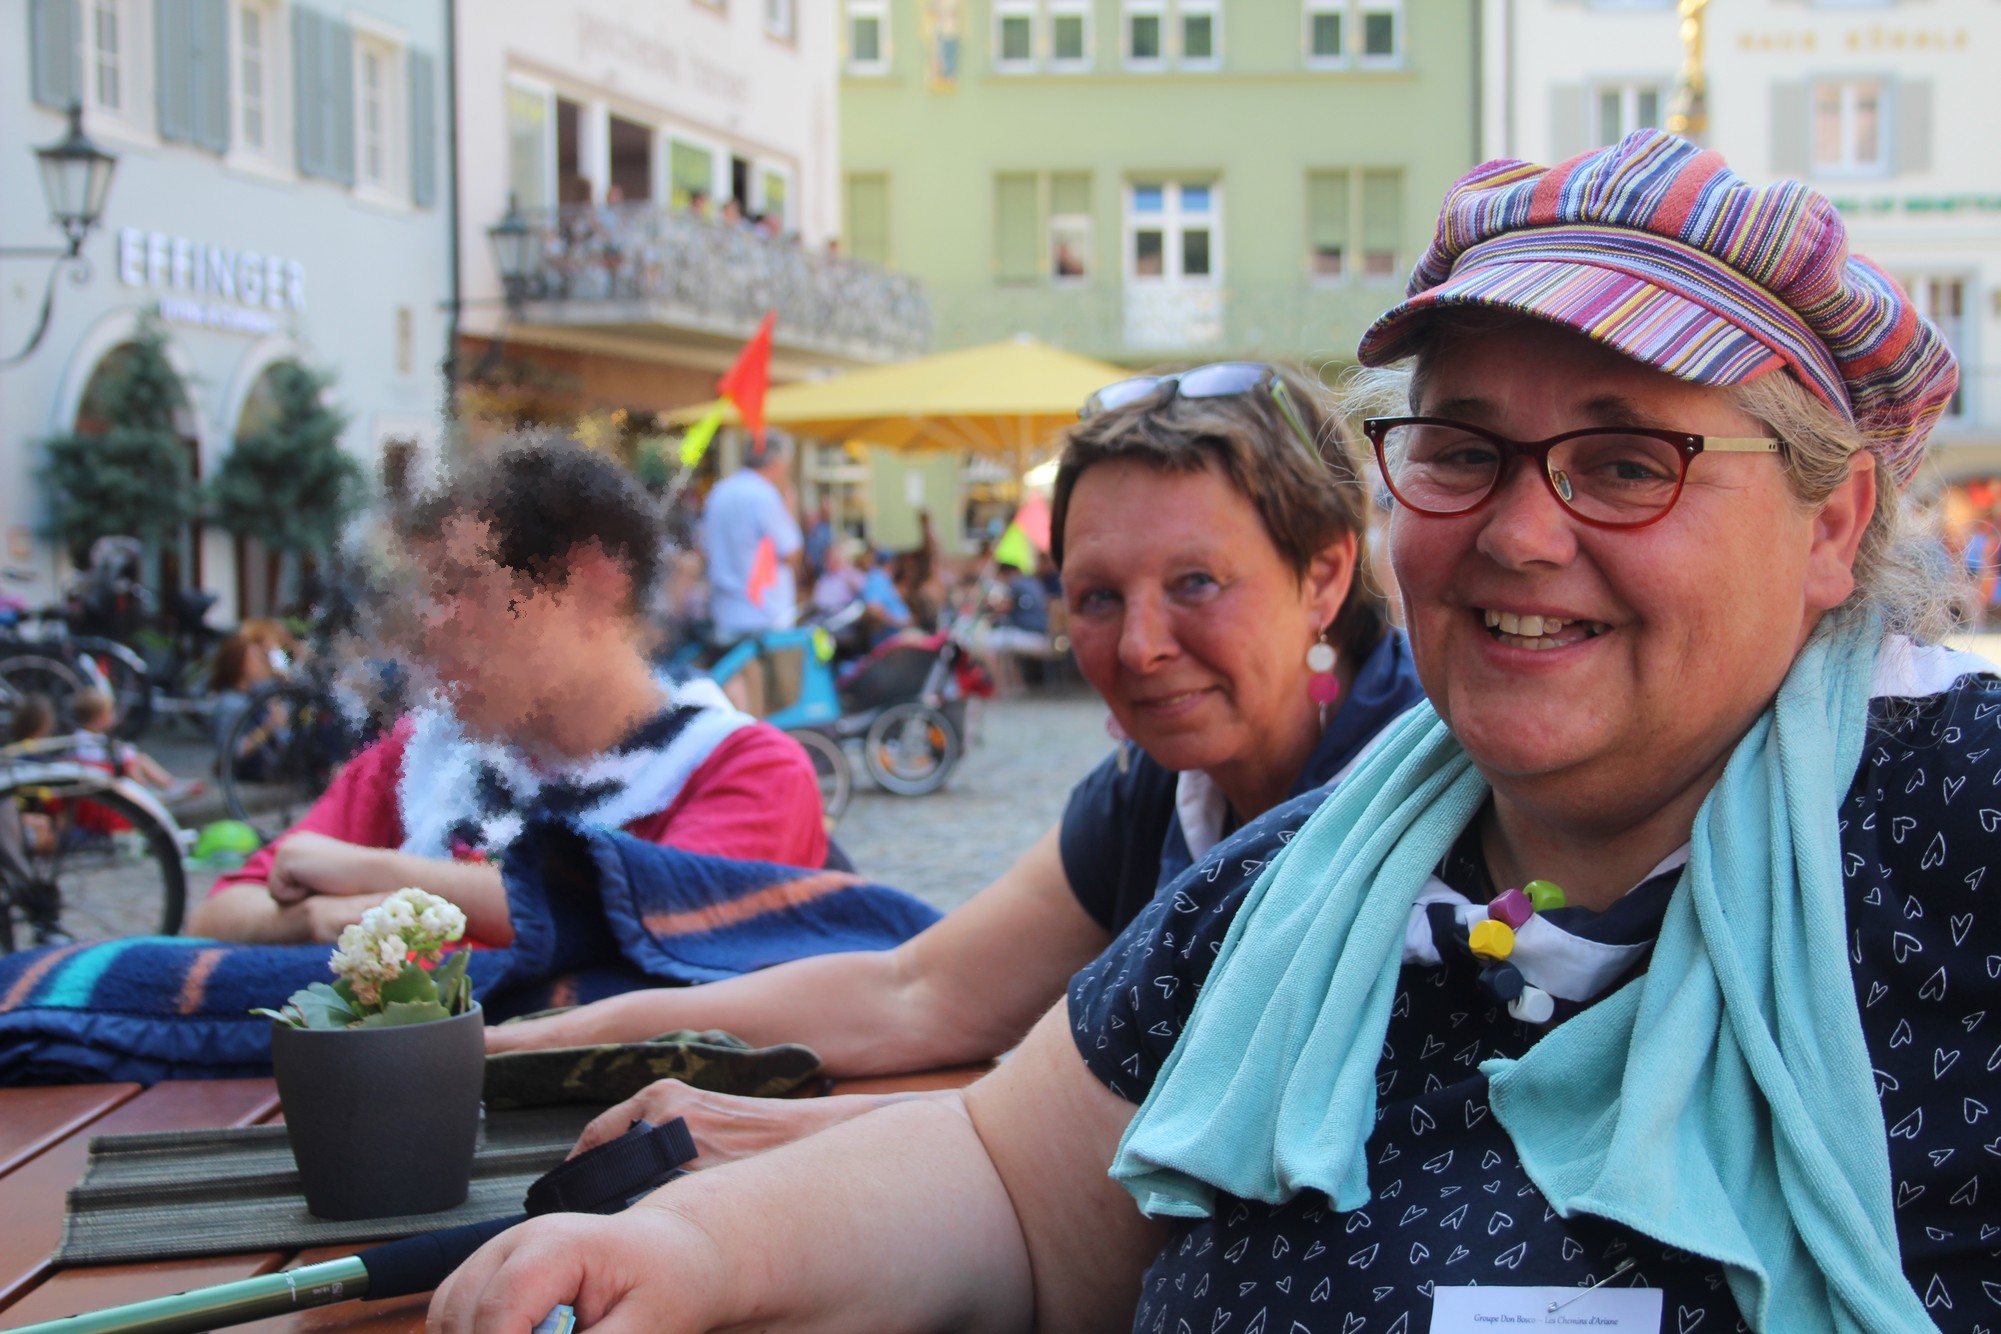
x: 382, y: 1120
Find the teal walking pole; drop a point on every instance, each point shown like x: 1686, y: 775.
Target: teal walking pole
x: 238, y: 1303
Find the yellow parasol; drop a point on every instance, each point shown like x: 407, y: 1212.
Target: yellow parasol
x: 1005, y: 398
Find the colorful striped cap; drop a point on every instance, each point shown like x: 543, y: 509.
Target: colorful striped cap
x: 1657, y: 249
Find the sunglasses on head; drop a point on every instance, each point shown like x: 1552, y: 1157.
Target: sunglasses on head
x: 1222, y: 379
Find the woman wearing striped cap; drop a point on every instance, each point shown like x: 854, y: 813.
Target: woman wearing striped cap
x: 1643, y: 979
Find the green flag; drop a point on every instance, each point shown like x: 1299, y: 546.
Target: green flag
x: 696, y: 442
x: 1015, y: 549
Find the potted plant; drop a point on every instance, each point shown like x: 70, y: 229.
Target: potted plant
x: 380, y: 1072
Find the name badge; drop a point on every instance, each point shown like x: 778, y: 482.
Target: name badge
x: 1486, y: 1310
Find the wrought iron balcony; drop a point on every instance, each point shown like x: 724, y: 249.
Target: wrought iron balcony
x: 636, y: 266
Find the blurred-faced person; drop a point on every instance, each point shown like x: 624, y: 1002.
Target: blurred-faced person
x: 1209, y: 532
x: 535, y: 568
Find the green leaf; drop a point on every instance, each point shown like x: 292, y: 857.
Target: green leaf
x: 320, y: 1006
x: 414, y: 984
x: 291, y: 1019
x: 342, y: 989
x: 397, y: 1013
x: 454, y: 991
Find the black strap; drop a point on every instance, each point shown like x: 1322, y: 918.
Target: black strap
x: 605, y: 1179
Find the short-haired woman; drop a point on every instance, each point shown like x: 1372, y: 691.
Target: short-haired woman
x: 535, y: 570
x: 1210, y: 530
x: 1354, y: 1077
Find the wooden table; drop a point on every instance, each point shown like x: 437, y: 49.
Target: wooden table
x: 45, y: 1133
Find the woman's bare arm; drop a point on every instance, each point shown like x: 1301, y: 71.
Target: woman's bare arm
x: 989, y: 1214
x: 964, y: 990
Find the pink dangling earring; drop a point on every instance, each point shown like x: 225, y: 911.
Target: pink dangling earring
x: 1323, y: 687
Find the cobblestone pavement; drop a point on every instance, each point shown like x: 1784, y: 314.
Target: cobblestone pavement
x: 1027, y: 751
x: 1004, y: 795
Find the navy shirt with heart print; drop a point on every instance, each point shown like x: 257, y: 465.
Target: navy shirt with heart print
x: 1920, y: 828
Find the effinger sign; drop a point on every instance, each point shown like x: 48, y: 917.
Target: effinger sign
x: 211, y: 286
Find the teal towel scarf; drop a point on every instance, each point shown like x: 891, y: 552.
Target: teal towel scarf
x: 1723, y: 1103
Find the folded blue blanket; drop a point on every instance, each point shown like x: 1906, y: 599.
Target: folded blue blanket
x: 595, y: 912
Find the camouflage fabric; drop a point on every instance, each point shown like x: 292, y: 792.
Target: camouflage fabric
x: 611, y: 1073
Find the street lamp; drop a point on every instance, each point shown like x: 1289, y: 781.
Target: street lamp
x: 76, y: 176
x: 513, y: 250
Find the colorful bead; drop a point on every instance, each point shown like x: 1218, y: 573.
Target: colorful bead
x: 1544, y: 894
x: 1503, y: 979
x: 1533, y: 1006
x: 1491, y: 939
x: 1511, y: 906
x: 1324, y: 688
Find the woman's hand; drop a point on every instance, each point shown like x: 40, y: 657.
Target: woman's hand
x: 637, y: 1272
x: 726, y: 1127
x: 307, y: 864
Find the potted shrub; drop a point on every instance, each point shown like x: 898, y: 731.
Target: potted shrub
x: 380, y: 1072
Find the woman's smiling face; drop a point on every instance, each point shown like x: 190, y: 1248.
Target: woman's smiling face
x: 1187, y: 619
x: 1673, y: 636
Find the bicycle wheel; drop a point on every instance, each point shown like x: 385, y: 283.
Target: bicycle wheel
x: 910, y: 749
x: 280, y: 755
x: 80, y: 861
x: 830, y: 764
x: 125, y: 675
x: 39, y: 674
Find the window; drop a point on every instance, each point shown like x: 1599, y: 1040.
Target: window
x: 1942, y: 300
x: 1144, y: 20
x: 1623, y: 108
x: 1382, y: 33
x: 1201, y: 38
x: 781, y: 18
x: 1014, y: 35
x: 1324, y: 24
x: 774, y: 197
x: 1069, y: 228
x: 1848, y: 127
x: 868, y: 36
x: 106, y: 56
x: 1069, y: 34
x: 1017, y: 248
x: 1327, y: 225
x: 406, y: 341
x: 253, y: 34
x: 631, y: 160
x: 372, y: 115
x: 691, y: 170
x: 1382, y: 223
x: 1171, y: 232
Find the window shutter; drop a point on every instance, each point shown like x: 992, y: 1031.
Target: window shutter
x: 1069, y: 194
x: 1913, y: 113
x: 1017, y: 245
x: 308, y: 36
x: 1569, y: 121
x: 423, y: 129
x: 1790, y: 123
x: 868, y: 218
x: 337, y: 95
x: 174, y: 59
x: 1327, y: 211
x: 1382, y: 211
x: 210, y: 28
x: 55, y: 50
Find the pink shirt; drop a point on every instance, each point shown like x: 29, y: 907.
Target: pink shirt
x: 755, y: 798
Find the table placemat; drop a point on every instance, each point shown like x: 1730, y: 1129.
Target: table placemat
x: 176, y: 1194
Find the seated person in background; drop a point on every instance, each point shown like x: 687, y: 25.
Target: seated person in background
x: 1677, y: 620
x: 34, y: 719
x: 1209, y: 527
x: 242, y: 664
x: 888, y: 615
x: 1022, y: 629
x: 840, y: 583
x: 536, y: 567
x: 95, y: 717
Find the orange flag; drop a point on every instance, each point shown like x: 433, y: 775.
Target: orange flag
x: 745, y: 382
x: 763, y: 572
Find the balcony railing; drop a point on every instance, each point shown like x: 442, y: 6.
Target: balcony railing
x: 633, y: 264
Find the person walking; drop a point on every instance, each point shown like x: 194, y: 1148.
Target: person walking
x: 752, y: 543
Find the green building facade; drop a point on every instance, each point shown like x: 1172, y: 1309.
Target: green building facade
x: 1155, y: 180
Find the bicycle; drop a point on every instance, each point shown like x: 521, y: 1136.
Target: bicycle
x: 84, y: 853
x: 59, y: 664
